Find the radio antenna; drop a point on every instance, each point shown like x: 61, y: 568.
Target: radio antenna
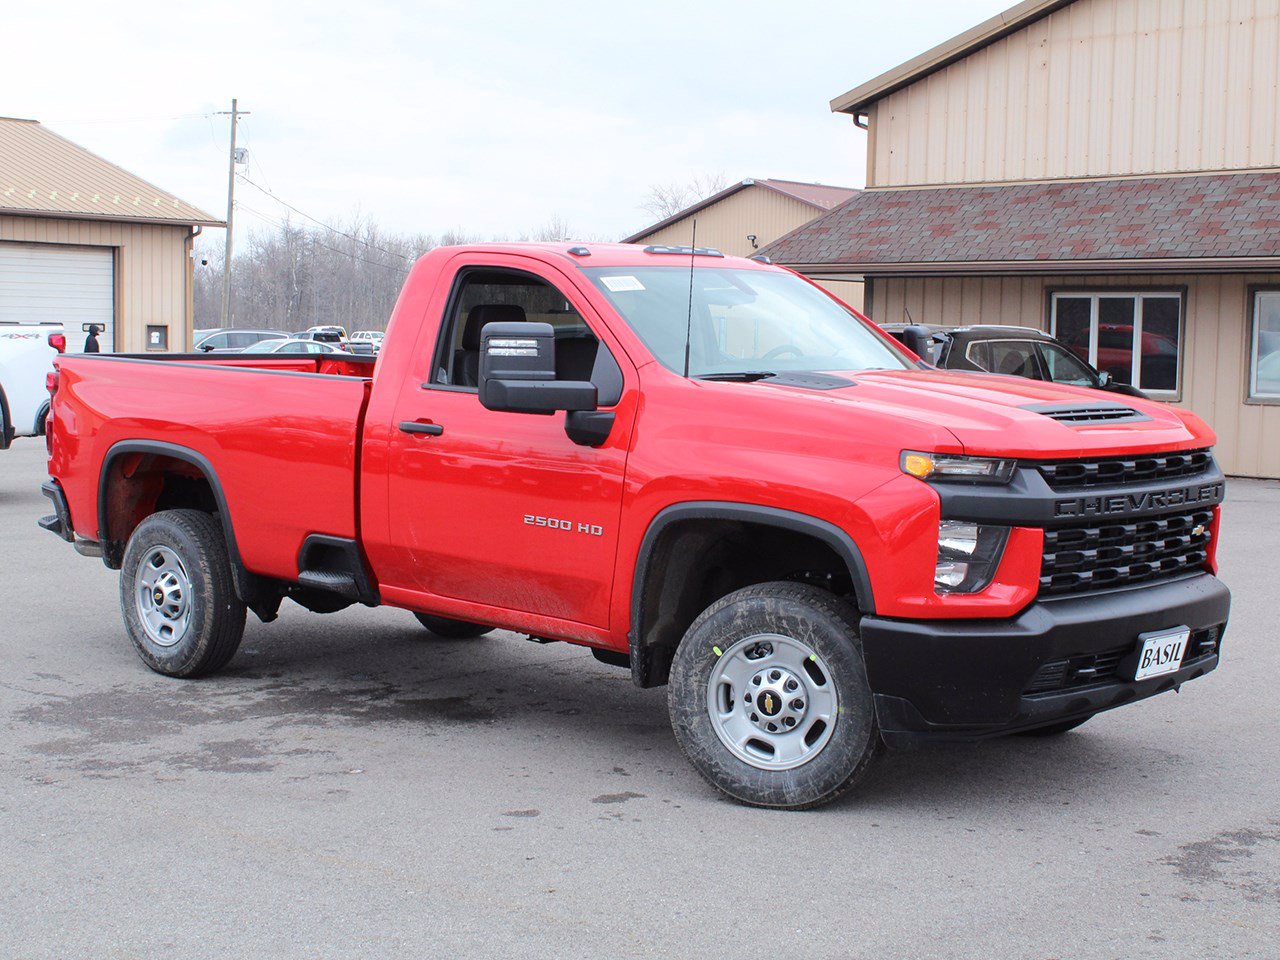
x: 688, y: 325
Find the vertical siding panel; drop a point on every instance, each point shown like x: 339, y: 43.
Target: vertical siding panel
x: 1059, y: 94
x: 1215, y: 78
x: 1239, y: 85
x: 1265, y: 80
x: 1146, y: 95
x: 1169, y: 84
x: 1034, y: 124
x: 1100, y: 101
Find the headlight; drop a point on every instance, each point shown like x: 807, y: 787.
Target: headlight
x: 968, y: 554
x: 950, y: 466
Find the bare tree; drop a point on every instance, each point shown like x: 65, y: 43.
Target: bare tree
x: 667, y: 199
x: 347, y: 273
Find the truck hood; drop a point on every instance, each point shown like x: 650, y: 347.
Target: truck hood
x: 992, y: 415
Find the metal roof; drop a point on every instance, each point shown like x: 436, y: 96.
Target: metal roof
x: 44, y: 174
x: 1001, y: 25
x: 820, y: 196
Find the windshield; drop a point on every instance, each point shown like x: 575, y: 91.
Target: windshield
x: 264, y: 346
x: 1065, y: 368
x: 741, y: 321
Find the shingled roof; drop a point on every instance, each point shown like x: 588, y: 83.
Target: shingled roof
x: 1123, y: 222
x: 44, y: 174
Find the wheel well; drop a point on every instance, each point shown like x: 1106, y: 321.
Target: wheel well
x: 692, y: 563
x: 136, y: 485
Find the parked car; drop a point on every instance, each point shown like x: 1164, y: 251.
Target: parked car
x: 209, y: 340
x: 372, y: 337
x: 26, y: 360
x: 1014, y: 351
x: 332, y: 335
x: 289, y: 346
x: 703, y: 468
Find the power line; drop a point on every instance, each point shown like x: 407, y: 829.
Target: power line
x: 303, y: 213
x: 320, y: 243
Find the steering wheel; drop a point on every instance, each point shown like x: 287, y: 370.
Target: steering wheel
x: 779, y: 351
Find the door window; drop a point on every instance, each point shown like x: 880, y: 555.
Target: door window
x: 1015, y: 358
x: 484, y: 295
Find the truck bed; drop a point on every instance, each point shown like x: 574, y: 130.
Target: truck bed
x: 282, y: 435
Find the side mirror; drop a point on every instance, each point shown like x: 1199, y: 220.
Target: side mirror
x: 1104, y: 379
x: 518, y: 371
x: 205, y: 348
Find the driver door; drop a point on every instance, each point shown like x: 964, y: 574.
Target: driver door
x: 503, y: 509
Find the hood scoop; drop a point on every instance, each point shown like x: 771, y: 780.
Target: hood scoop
x: 811, y: 381
x: 1103, y: 411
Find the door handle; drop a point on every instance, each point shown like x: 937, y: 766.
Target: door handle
x: 430, y: 429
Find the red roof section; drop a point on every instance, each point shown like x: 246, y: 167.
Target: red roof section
x: 815, y: 194
x: 1148, y: 218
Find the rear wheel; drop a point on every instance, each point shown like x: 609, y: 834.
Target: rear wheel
x: 769, y: 697
x: 180, y: 607
x: 452, y: 629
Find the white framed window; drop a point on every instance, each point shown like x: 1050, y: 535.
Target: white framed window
x: 1136, y: 337
x: 1264, y: 346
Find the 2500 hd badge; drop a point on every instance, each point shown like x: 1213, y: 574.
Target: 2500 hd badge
x: 1147, y: 502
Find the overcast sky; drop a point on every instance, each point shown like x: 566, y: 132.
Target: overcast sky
x: 490, y: 117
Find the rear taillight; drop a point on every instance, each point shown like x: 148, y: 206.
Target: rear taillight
x: 58, y: 341
x: 51, y: 381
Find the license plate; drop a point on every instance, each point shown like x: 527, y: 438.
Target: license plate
x: 1161, y: 652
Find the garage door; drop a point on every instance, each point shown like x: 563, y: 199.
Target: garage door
x: 42, y: 282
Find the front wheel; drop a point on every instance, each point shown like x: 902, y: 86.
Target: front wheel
x: 179, y: 604
x: 769, y: 697
x: 452, y: 629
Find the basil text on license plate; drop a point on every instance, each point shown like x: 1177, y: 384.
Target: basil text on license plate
x: 1161, y: 653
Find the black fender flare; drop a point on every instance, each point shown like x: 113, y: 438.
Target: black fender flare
x: 248, y: 585
x: 833, y: 536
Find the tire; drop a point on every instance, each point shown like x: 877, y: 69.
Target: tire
x: 180, y: 558
x: 452, y: 629
x: 777, y: 634
x: 1054, y: 729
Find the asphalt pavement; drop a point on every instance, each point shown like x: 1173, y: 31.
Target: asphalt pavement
x: 351, y: 787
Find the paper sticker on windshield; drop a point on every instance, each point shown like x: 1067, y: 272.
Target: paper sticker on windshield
x: 622, y: 284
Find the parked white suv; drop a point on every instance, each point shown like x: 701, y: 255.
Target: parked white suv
x: 26, y: 358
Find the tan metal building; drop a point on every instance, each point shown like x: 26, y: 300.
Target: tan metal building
x: 746, y: 216
x: 84, y: 241
x: 1108, y: 170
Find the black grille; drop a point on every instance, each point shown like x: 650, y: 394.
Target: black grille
x: 1080, y: 558
x: 1076, y: 474
x: 1089, y: 669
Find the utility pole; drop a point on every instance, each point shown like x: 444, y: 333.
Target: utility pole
x: 231, y: 210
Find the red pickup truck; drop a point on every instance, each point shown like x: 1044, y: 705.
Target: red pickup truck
x: 704, y: 468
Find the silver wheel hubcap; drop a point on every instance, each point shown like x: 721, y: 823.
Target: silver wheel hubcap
x: 163, y: 597
x: 772, y: 702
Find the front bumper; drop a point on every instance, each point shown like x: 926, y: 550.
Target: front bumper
x: 973, y: 679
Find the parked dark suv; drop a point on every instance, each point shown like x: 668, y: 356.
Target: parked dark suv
x: 1015, y: 351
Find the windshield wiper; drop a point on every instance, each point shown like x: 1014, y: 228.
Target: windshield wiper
x: 738, y: 376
